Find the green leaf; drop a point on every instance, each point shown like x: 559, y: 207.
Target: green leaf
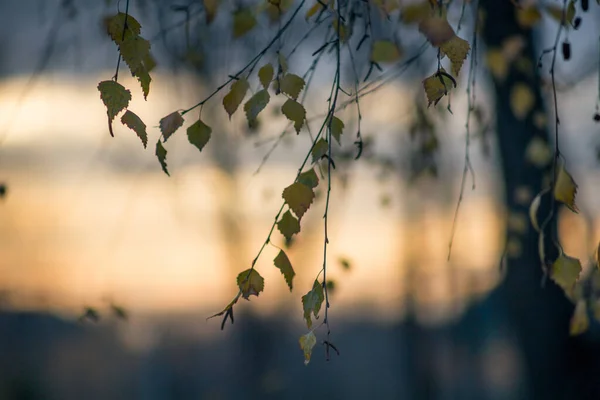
x: 233, y: 99
x: 199, y: 134
x: 319, y: 150
x: 133, y: 122
x: 115, y: 97
x: 265, y: 75
x: 309, y: 178
x: 250, y: 283
x: 295, y: 112
x: 337, y: 128
x: 243, y: 22
x: 565, y: 271
x: 311, y: 302
x: 115, y: 27
x: 292, y: 85
x: 288, y: 225
x: 565, y: 189
x: 298, y: 197
x: 135, y: 51
x: 384, y: 51
x: 256, y: 104
x: 307, y: 342
x: 285, y: 266
x: 170, y: 123
x: 161, y: 153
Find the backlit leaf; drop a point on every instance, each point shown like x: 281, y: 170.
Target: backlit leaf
x: 115, y: 27
x: 256, y: 104
x: 199, y: 134
x: 288, y: 225
x: 292, y: 85
x: 136, y: 54
x: 307, y: 342
x: 309, y: 178
x: 265, y: 75
x: 337, y: 128
x: 243, y: 22
x: 565, y: 271
x: 314, y: 9
x: 437, y: 30
x: 161, y: 154
x: 456, y: 49
x: 384, y: 51
x: 234, y: 98
x: 580, y: 321
x: 115, y: 97
x: 250, y: 283
x: 565, y: 189
x: 298, y: 197
x: 133, y: 122
x: 319, y: 150
x: 169, y: 124
x: 437, y: 86
x: 295, y: 112
x: 522, y: 100
x: 285, y: 266
x: 311, y: 303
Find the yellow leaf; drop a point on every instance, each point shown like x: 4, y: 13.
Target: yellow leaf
x: 210, y: 8
x: 341, y: 30
x: 565, y: 271
x: 314, y: 9
x: 288, y: 225
x: 285, y: 266
x: 115, y: 97
x: 522, y: 100
x: 199, y: 134
x: 243, y: 22
x: 170, y: 123
x: 307, y: 342
x: 538, y: 152
x: 292, y: 85
x: 311, y: 302
x: 295, y: 112
x: 256, y: 104
x: 133, y: 122
x: 580, y: 321
x: 309, y: 178
x: 528, y: 16
x: 437, y: 86
x: 415, y: 12
x: 298, y: 197
x: 265, y: 75
x: 497, y: 64
x: 437, y: 30
x: 250, y: 283
x: 337, y: 128
x: 456, y: 49
x: 319, y: 150
x: 233, y: 99
x: 161, y: 154
x: 565, y: 189
x: 115, y: 27
x: 384, y: 51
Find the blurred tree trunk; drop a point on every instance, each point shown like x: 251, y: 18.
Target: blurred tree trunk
x: 539, y: 315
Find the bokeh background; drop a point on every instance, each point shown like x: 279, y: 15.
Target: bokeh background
x: 92, y: 221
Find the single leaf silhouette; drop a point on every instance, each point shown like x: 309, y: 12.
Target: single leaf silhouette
x: 170, y: 123
x: 256, y: 104
x: 288, y: 225
x: 307, y: 342
x: 298, y: 197
x: 384, y: 51
x: 285, y: 266
x: 115, y: 27
x: 337, y: 128
x: 133, y: 122
x: 457, y: 50
x: 295, y: 112
x: 265, y: 75
x: 311, y: 302
x: 161, y: 154
x: 237, y: 92
x: 291, y: 85
x: 309, y: 178
x: 319, y: 150
x: 437, y: 86
x: 565, y: 189
x: 250, y: 283
x: 135, y: 51
x: 243, y: 22
x: 199, y: 134
x: 565, y: 271
x: 115, y: 97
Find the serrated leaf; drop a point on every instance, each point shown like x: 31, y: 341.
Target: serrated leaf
x: 199, y: 134
x: 285, y: 266
x: 256, y: 104
x: 457, y: 50
x: 133, y: 122
x: 295, y: 112
x: 580, y: 321
x: 169, y: 124
x: 265, y: 75
x: 135, y: 51
x: 161, y: 154
x: 337, y: 128
x: 565, y: 189
x: 115, y: 27
x: 243, y: 22
x: 234, y: 98
x: 565, y: 271
x: 437, y: 30
x: 298, y: 197
x: 292, y: 85
x: 311, y: 303
x: 309, y: 178
x: 307, y: 342
x: 384, y: 51
x: 250, y: 283
x: 115, y: 97
x: 288, y: 225
x: 522, y: 100
x: 319, y: 150
x: 437, y: 86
